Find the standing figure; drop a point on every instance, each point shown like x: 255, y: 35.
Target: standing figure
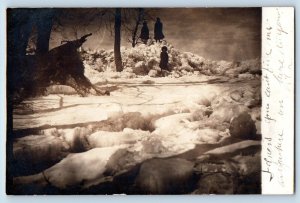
x: 164, y: 60
x: 158, y: 27
x: 144, y: 33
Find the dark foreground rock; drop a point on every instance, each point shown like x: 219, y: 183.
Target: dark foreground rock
x: 216, y: 183
x: 243, y: 127
x: 231, y: 169
x: 165, y: 176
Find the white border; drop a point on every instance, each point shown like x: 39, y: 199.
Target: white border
x: 277, y: 100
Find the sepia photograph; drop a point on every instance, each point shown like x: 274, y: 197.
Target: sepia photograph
x: 134, y: 101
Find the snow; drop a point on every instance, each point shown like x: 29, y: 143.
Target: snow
x: 80, y: 168
x: 107, y: 139
x: 178, y: 135
x: 134, y: 98
x: 141, y: 59
x: 195, y: 112
x: 76, y: 114
x: 146, y: 116
x: 225, y: 112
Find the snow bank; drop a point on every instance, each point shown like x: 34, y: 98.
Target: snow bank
x: 144, y: 59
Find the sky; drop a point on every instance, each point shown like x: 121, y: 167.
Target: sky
x: 231, y: 34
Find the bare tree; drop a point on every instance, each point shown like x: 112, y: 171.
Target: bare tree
x: 138, y: 21
x: 132, y: 20
x: 72, y: 23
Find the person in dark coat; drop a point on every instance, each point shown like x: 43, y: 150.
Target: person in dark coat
x: 158, y: 33
x: 144, y: 33
x: 164, y: 59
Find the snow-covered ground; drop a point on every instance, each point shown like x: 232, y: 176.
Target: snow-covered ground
x: 91, y: 140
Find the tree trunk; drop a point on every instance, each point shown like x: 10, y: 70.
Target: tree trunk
x: 19, y: 26
x: 138, y: 21
x: 117, y: 45
x: 44, y: 22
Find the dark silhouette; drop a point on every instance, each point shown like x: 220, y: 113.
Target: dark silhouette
x: 144, y: 33
x: 164, y: 59
x: 158, y: 27
x: 63, y: 65
x: 20, y: 22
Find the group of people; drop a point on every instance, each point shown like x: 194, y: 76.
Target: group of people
x: 158, y: 34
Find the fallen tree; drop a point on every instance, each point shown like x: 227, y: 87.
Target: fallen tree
x: 61, y: 65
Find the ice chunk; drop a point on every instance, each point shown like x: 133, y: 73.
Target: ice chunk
x: 107, y: 139
x: 224, y: 113
x: 153, y: 73
x: 80, y: 168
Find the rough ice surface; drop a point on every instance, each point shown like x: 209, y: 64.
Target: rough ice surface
x: 146, y: 117
x: 141, y: 59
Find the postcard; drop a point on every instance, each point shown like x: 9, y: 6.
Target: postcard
x: 150, y: 101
